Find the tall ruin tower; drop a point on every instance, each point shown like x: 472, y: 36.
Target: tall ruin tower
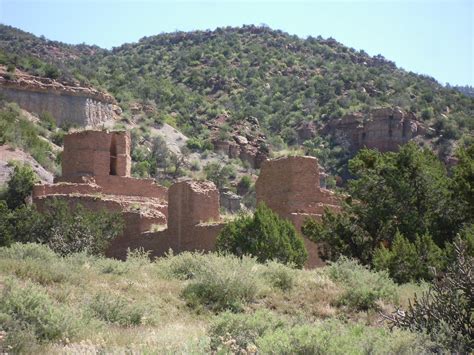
x: 96, y: 153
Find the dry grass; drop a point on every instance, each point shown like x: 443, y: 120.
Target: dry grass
x: 150, y: 307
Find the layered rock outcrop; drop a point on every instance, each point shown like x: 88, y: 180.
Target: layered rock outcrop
x: 384, y: 129
x: 83, y: 106
x: 290, y: 187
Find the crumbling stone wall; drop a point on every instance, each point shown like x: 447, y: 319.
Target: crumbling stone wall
x: 290, y: 187
x: 189, y: 204
x: 96, y: 174
x: 193, y: 222
x: 96, y: 153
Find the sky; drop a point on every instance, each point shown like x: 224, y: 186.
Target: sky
x: 431, y: 37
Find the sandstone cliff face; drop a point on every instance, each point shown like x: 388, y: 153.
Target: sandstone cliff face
x: 67, y: 104
x: 384, y: 129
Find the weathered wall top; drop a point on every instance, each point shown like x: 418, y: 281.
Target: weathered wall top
x: 96, y: 153
x: 191, y: 202
x: 288, y: 184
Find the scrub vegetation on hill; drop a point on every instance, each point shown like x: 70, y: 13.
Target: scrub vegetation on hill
x: 189, y: 78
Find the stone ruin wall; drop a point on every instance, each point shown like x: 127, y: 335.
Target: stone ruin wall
x: 96, y: 153
x: 67, y: 104
x: 193, y: 223
x: 291, y: 188
x: 96, y: 174
x: 188, y: 209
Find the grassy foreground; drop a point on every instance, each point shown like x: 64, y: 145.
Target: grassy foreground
x: 194, y: 303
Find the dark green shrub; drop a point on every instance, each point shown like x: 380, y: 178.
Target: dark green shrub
x: 51, y: 71
x: 79, y: 229
x: 6, y: 229
x: 20, y: 185
x: 244, y: 184
x: 445, y: 312
x: 406, y: 261
x: 65, y: 230
x: 264, y: 235
x: 219, y: 174
x: 408, y: 192
x: 58, y: 137
x: 47, y: 121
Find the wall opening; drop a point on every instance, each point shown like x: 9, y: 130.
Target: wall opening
x: 113, y: 156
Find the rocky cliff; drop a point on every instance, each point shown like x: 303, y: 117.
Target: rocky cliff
x: 242, y: 139
x: 68, y: 104
x: 384, y: 129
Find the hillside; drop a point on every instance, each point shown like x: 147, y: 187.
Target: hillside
x: 280, y: 81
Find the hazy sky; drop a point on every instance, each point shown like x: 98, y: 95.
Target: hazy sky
x: 430, y: 37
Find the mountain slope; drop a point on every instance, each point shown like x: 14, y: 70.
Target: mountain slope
x: 189, y: 79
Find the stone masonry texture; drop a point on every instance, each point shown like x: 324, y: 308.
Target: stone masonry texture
x: 96, y: 174
x: 290, y: 187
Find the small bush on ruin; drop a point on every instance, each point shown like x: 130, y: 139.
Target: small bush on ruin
x: 264, y: 235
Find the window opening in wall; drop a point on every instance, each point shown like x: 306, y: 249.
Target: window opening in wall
x: 113, y: 156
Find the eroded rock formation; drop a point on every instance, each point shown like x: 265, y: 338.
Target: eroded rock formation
x: 385, y: 129
x: 83, y: 106
x: 244, y: 140
x: 291, y: 188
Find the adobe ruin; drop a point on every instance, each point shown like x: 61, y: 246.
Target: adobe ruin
x: 96, y: 169
x: 290, y: 186
x: 96, y: 174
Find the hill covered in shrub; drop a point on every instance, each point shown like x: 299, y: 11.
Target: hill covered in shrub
x: 190, y: 78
